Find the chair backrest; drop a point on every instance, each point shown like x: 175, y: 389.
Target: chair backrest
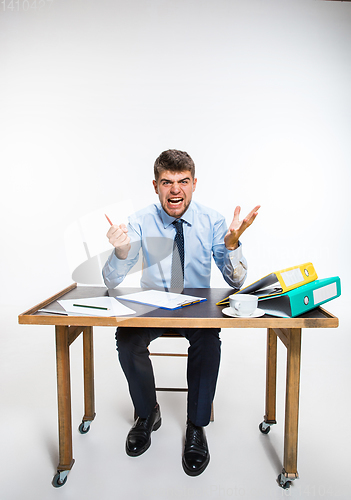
x: 87, y: 247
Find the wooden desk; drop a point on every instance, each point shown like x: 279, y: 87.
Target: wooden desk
x: 205, y: 315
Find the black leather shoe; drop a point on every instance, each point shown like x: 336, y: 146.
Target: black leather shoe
x: 139, y: 436
x: 196, y: 455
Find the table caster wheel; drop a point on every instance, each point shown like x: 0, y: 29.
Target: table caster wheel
x: 264, y: 428
x: 283, y: 482
x: 84, y: 427
x: 59, y: 479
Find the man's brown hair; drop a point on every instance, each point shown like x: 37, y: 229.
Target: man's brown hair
x: 174, y: 161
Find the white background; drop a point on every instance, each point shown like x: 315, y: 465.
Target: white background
x: 258, y: 93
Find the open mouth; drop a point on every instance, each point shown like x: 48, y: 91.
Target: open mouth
x: 175, y: 201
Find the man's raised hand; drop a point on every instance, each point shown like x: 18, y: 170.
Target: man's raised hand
x: 237, y: 227
x: 118, y: 237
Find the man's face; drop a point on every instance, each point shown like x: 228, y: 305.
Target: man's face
x: 175, y: 190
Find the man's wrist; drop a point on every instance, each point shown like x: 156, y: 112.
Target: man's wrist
x: 233, y: 247
x: 122, y: 254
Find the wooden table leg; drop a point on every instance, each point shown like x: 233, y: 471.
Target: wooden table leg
x: 66, y: 460
x: 271, y: 377
x: 89, y: 397
x: 271, y: 382
x: 292, y: 405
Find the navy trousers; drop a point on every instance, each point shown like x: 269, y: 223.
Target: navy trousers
x: 202, y: 371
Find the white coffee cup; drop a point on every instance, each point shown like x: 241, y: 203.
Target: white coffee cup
x: 243, y: 304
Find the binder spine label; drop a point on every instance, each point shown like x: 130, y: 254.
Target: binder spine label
x: 292, y: 277
x: 325, y: 293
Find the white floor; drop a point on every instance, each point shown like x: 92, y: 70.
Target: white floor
x: 244, y: 463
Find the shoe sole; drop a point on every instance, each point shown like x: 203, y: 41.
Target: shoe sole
x: 191, y: 472
x: 156, y: 426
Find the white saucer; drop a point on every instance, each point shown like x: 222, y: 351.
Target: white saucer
x: 256, y: 314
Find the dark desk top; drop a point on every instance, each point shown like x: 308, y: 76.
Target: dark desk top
x: 205, y: 314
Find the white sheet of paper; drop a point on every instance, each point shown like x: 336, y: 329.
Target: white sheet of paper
x: 158, y: 298
x: 115, y: 308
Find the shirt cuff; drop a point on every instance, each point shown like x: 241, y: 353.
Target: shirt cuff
x: 236, y: 255
x: 113, y: 260
x: 113, y: 271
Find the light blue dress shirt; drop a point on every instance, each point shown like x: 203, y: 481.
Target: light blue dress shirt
x: 152, y: 231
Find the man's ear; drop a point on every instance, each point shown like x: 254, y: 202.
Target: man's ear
x: 194, y: 184
x: 155, y: 186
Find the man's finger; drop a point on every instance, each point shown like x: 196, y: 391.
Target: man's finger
x: 253, y: 212
x: 249, y: 220
x: 123, y: 237
x: 113, y: 229
x: 236, y: 214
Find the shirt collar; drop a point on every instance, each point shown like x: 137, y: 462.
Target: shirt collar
x: 187, y: 217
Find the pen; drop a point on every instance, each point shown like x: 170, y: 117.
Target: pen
x: 92, y: 307
x: 189, y: 303
x: 108, y: 220
x: 223, y: 302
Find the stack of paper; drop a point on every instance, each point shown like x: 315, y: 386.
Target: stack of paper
x: 96, y: 306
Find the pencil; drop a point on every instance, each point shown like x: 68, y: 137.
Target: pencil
x: 108, y: 220
x: 92, y: 307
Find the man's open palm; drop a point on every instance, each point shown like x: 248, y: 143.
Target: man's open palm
x: 237, y: 227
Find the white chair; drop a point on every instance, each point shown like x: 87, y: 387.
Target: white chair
x: 87, y: 250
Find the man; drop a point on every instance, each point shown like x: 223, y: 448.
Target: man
x: 198, y: 234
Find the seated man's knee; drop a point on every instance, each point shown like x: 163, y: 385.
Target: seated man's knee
x: 130, y: 339
x: 204, y: 336
x: 213, y: 337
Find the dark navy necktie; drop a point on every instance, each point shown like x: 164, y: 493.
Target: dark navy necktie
x: 177, y: 275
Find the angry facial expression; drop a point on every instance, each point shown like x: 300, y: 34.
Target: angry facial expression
x: 175, y: 191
